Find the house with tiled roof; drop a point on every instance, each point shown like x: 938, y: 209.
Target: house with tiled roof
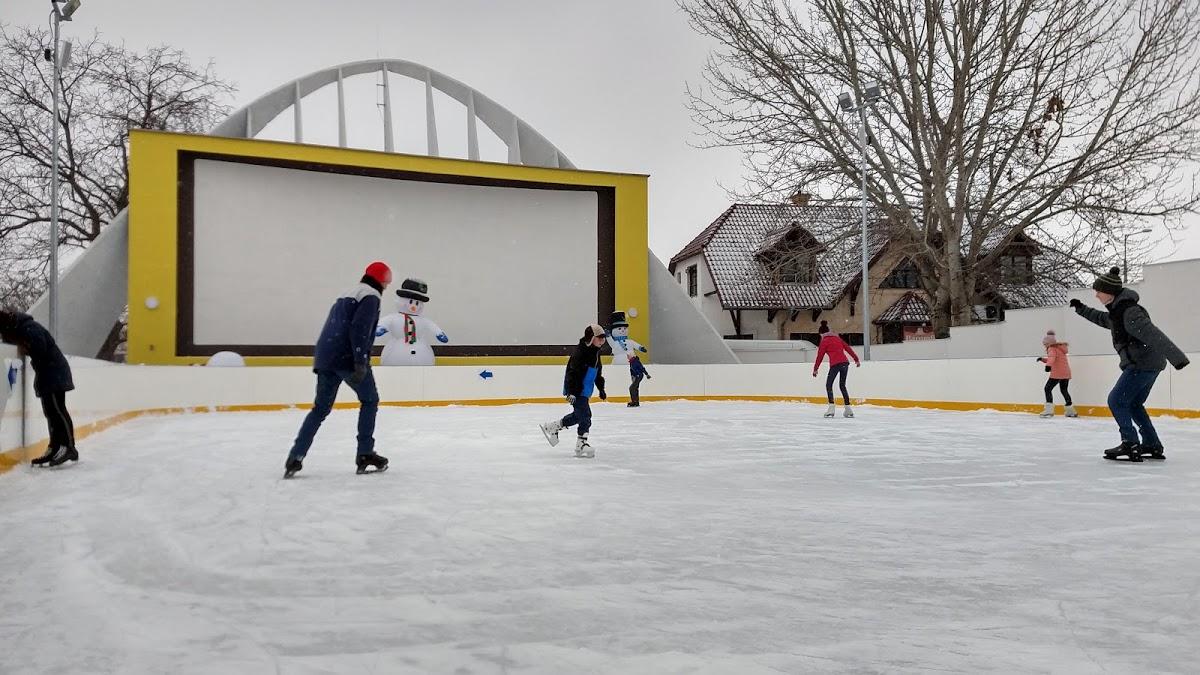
x: 775, y: 271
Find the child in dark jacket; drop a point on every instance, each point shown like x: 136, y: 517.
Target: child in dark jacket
x: 584, y: 374
x: 1144, y: 352
x: 51, y: 382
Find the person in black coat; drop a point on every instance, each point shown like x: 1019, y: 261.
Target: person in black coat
x: 1144, y: 352
x: 584, y: 375
x: 51, y: 382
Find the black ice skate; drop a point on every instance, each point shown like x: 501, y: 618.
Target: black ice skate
x: 46, y: 457
x: 62, y: 455
x: 1153, y: 451
x: 379, y: 462
x: 1125, y: 452
x: 291, y: 467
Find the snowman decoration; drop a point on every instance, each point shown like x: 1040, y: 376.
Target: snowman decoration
x: 625, y: 351
x: 408, y: 333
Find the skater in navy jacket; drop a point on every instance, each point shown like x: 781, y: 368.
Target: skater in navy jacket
x: 343, y: 354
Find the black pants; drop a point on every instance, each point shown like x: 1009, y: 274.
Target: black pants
x: 636, y: 381
x: 62, y: 429
x: 1062, y: 385
x: 838, y: 371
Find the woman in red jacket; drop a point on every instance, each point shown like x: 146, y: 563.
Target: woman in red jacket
x: 839, y: 365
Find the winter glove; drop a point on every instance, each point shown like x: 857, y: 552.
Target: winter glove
x: 1041, y: 359
x: 442, y: 338
x: 359, y: 374
x: 814, y: 373
x: 571, y: 399
x: 603, y: 395
x: 642, y: 350
x: 1075, y: 303
x: 1183, y: 365
x: 1047, y: 369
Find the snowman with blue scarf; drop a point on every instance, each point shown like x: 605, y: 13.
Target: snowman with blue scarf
x: 625, y: 350
x: 408, y: 332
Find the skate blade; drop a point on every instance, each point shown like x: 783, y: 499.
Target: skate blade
x: 1123, y: 458
x: 552, y: 441
x: 366, y: 472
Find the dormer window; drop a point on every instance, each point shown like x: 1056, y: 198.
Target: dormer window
x: 790, y: 255
x: 905, y: 275
x: 1016, y: 268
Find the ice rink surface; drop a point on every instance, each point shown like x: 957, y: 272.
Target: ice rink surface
x: 714, y: 537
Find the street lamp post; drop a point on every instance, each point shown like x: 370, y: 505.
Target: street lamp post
x: 1125, y: 253
x: 870, y: 94
x: 59, y: 15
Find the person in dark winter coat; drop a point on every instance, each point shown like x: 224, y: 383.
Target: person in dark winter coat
x: 51, y: 382
x: 1144, y: 352
x: 839, y: 365
x: 584, y: 375
x: 343, y: 354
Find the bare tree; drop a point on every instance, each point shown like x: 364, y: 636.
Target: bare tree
x: 1063, y: 119
x: 106, y: 91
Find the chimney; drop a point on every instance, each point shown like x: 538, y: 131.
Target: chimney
x: 801, y: 198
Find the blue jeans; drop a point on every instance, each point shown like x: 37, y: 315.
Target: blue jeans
x: 582, y: 415
x: 328, y: 382
x: 1127, y: 401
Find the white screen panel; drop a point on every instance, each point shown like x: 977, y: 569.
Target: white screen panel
x: 274, y: 246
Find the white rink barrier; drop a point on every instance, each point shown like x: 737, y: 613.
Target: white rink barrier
x: 106, y: 393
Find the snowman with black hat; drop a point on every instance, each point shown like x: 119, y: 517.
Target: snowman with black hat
x: 625, y: 351
x: 408, y: 333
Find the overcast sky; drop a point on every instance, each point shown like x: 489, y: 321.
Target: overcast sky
x: 603, y: 81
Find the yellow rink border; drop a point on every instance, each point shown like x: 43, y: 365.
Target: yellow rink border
x: 18, y: 456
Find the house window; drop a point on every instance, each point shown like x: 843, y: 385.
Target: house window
x: 692, y: 282
x: 904, y: 276
x: 797, y: 269
x: 679, y: 277
x: 1016, y: 269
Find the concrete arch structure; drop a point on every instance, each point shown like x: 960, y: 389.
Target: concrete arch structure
x: 525, y: 144
x: 93, y: 292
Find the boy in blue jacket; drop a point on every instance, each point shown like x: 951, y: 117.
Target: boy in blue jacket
x: 343, y: 354
x: 51, y: 382
x: 584, y: 374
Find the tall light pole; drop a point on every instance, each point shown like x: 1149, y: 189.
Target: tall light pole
x: 59, y: 15
x: 870, y: 95
x: 1125, y: 254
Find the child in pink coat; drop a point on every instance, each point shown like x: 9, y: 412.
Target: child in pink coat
x: 1059, y: 368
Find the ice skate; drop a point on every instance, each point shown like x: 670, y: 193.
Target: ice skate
x: 829, y: 412
x: 582, y: 449
x: 848, y: 412
x: 1071, y: 411
x: 62, y: 455
x: 1126, y: 452
x: 291, y: 467
x: 372, y: 460
x: 550, y: 430
x: 1047, y: 410
x: 631, y: 404
x: 1152, y: 451
x: 46, y: 456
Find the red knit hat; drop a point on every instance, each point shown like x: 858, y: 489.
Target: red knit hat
x: 379, y: 272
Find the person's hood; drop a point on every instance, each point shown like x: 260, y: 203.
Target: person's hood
x: 1126, y: 295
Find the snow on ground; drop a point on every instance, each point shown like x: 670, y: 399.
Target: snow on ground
x: 708, y: 537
